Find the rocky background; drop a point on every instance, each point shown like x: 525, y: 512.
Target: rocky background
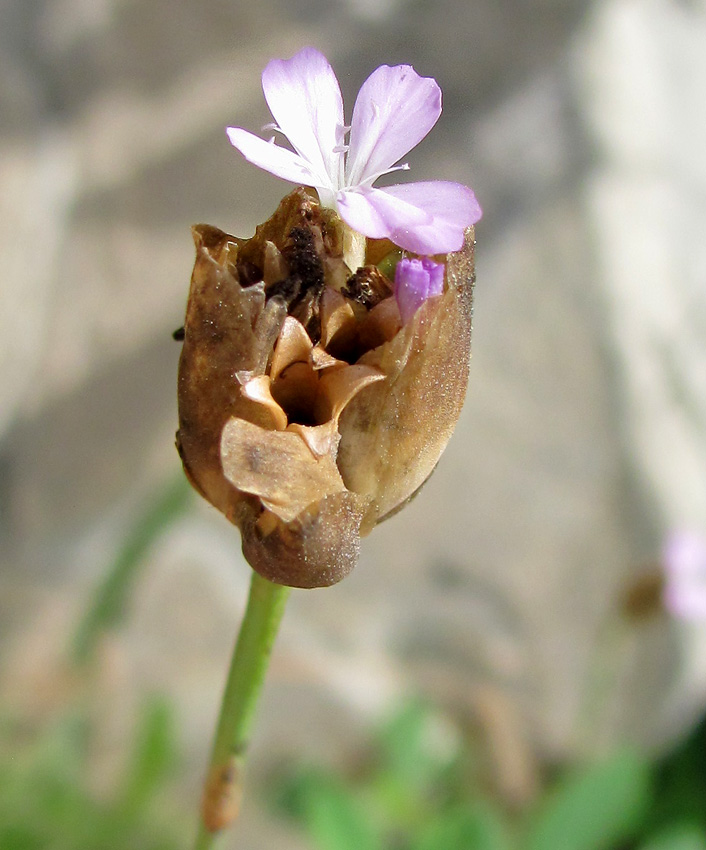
x: 500, y: 591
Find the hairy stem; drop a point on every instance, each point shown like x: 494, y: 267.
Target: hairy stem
x: 223, y: 788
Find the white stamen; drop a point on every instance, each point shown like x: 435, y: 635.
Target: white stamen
x: 342, y: 130
x: 373, y: 177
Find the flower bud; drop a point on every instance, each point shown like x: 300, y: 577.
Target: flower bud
x: 415, y: 282
x: 314, y: 401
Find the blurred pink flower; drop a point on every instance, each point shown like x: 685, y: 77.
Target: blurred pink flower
x: 684, y: 561
x: 395, y: 109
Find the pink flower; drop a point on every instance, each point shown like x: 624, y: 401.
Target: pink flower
x: 394, y: 111
x: 684, y: 561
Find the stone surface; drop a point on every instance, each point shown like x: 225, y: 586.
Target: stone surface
x: 642, y: 75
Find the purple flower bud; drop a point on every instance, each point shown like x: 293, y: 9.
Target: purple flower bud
x: 415, y: 281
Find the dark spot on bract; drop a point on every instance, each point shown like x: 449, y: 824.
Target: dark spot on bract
x: 248, y: 273
x: 368, y: 286
x: 288, y: 289
x: 304, y: 262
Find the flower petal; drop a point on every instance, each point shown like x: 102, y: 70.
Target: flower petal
x: 273, y: 158
x: 376, y: 215
x: 426, y: 218
x: 394, y: 111
x: 305, y: 100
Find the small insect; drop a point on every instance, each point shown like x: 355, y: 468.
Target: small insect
x: 178, y: 334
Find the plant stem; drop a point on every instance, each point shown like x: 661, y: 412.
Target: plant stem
x: 223, y: 788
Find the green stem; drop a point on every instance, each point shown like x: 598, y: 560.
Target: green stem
x: 247, y: 673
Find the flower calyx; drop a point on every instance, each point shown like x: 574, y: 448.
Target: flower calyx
x: 309, y: 408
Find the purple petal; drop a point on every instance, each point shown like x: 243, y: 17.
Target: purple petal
x: 426, y: 218
x: 305, y: 100
x: 394, y: 111
x: 375, y: 215
x: 415, y: 281
x: 273, y: 158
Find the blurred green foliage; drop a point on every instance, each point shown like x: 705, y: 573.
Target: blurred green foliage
x: 46, y: 801
x: 410, y: 795
x: 111, y: 596
x: 420, y: 786
x: 413, y: 791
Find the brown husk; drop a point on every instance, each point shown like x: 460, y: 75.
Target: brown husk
x: 309, y: 448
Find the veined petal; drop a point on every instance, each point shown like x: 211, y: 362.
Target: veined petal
x: 452, y: 208
x: 305, y: 100
x: 376, y: 215
x: 273, y: 158
x: 426, y: 218
x: 394, y: 111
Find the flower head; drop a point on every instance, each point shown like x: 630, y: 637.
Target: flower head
x: 314, y: 403
x: 395, y: 109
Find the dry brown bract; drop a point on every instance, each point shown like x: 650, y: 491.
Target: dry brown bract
x: 307, y: 413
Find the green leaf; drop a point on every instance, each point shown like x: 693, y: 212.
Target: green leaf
x: 477, y: 828
x: 46, y: 800
x: 154, y: 755
x: 20, y: 837
x: 680, y: 787
x: 679, y: 837
x: 595, y: 808
x: 404, y: 752
x: 334, y: 818
x: 412, y: 765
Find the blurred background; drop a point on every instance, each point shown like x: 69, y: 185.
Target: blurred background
x: 503, y: 639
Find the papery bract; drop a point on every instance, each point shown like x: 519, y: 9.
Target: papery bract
x: 313, y: 403
x: 395, y: 109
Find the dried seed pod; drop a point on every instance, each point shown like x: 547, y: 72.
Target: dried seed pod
x: 308, y: 411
